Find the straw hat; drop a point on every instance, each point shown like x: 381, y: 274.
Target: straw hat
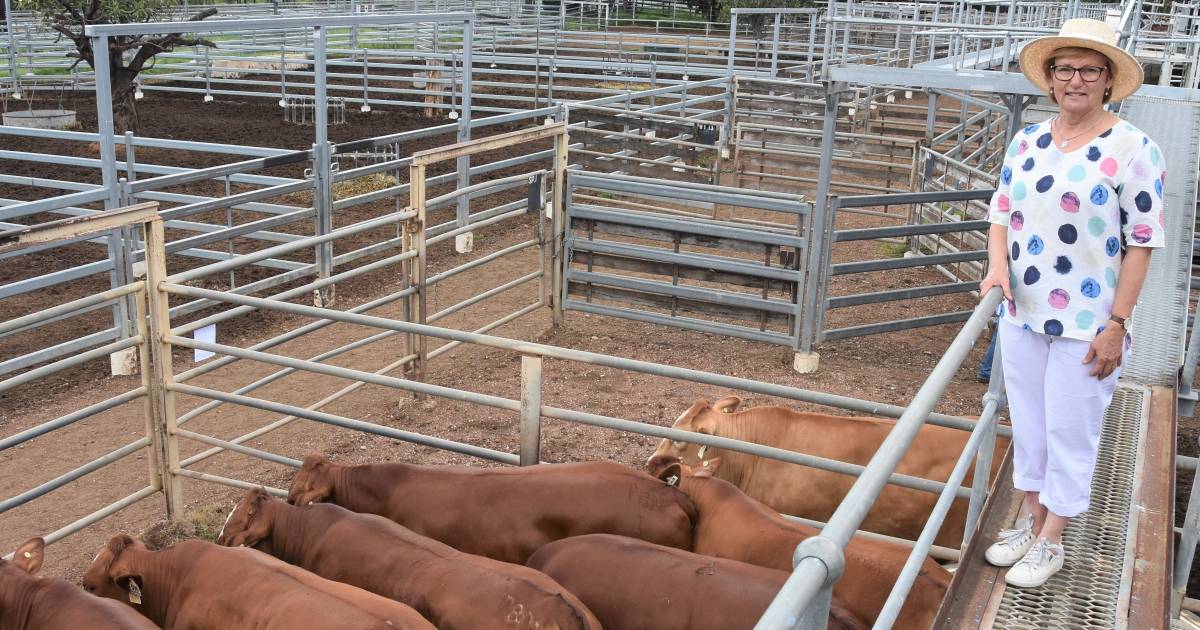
x: 1092, y: 35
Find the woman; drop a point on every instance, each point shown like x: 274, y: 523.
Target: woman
x: 1077, y: 210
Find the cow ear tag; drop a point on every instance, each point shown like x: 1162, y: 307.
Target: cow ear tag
x: 672, y: 480
x: 135, y: 593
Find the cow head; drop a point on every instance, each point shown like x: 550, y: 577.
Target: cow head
x: 701, y: 418
x: 29, y: 556
x: 112, y: 573
x: 248, y: 523
x: 313, y: 483
x: 671, y: 470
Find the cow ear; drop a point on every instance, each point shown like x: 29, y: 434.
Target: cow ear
x: 728, y: 404
x: 29, y: 556
x: 707, y: 468
x: 121, y: 570
x: 314, y: 460
x: 671, y: 473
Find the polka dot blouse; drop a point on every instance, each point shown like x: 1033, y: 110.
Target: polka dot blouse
x: 1069, y: 218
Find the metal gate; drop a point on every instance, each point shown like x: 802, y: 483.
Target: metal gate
x: 659, y: 252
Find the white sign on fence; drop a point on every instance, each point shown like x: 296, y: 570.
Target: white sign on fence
x: 207, y: 334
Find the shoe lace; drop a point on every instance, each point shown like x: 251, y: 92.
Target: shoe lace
x: 1039, y: 554
x: 1015, y: 536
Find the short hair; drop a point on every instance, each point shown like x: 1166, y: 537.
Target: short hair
x: 1074, y: 50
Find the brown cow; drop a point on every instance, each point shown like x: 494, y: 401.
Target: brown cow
x: 452, y: 589
x: 812, y: 493
x: 33, y: 603
x: 196, y: 585
x: 504, y: 513
x: 732, y: 525
x: 634, y: 585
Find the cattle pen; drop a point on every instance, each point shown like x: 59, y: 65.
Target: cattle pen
x: 580, y: 197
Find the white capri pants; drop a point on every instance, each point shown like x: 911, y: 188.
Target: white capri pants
x: 1057, y: 409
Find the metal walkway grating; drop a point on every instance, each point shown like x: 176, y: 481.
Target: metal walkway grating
x: 1160, y: 324
x: 1090, y: 591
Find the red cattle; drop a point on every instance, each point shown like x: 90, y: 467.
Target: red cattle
x: 504, y: 513
x: 732, y: 525
x: 28, y: 602
x: 452, y: 589
x: 196, y: 585
x: 813, y: 493
x: 635, y: 585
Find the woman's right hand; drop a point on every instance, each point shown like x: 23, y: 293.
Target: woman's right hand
x: 997, y: 276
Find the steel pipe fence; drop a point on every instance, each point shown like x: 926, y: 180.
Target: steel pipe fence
x: 260, y: 230
x: 160, y: 400
x: 144, y: 215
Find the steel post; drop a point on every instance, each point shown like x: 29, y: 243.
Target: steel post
x: 322, y: 168
x: 558, y: 226
x: 12, y: 47
x: 158, y: 373
x: 775, y: 46
x: 981, y: 482
x: 733, y: 20
x: 463, y: 243
x: 531, y: 409
x: 1187, y: 546
x: 931, y: 118
x: 806, y: 359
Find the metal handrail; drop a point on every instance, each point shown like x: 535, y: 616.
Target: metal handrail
x: 819, y: 560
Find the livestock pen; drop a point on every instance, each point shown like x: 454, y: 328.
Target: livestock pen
x: 639, y: 236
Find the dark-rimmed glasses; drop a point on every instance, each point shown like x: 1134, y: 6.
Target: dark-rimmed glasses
x: 1089, y: 74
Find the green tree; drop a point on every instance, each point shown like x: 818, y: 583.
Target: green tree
x: 759, y: 22
x: 128, y: 55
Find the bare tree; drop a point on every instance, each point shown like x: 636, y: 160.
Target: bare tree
x: 128, y: 56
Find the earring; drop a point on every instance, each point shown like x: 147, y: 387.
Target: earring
x: 1107, y: 92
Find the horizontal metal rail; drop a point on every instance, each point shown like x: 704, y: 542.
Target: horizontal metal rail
x: 96, y: 516
x: 70, y: 418
x: 749, y: 198
x: 238, y: 448
x: 493, y: 401
x: 95, y: 353
x: 68, y: 477
x: 553, y: 352
x: 687, y: 259
x: 348, y: 423
x: 63, y: 349
x: 226, y: 481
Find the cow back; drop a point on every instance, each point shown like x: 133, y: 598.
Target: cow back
x: 815, y: 494
x: 452, y: 589
x: 508, y: 513
x: 631, y: 584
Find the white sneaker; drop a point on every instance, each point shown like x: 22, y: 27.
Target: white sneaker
x: 1043, y: 560
x: 1011, y: 544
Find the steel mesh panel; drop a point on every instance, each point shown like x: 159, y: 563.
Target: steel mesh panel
x: 1161, y: 316
x: 1086, y: 593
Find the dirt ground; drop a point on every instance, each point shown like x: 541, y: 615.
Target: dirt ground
x: 886, y: 368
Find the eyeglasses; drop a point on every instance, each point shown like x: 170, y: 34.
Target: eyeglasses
x: 1089, y: 74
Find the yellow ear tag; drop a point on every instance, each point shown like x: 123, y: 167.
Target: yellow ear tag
x: 135, y: 593
x: 27, y: 554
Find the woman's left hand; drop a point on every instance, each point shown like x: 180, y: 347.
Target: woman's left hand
x: 1106, y: 351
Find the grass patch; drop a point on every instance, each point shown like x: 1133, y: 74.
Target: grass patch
x: 621, y: 85
x: 362, y: 185
x: 894, y: 250
x: 204, y: 524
